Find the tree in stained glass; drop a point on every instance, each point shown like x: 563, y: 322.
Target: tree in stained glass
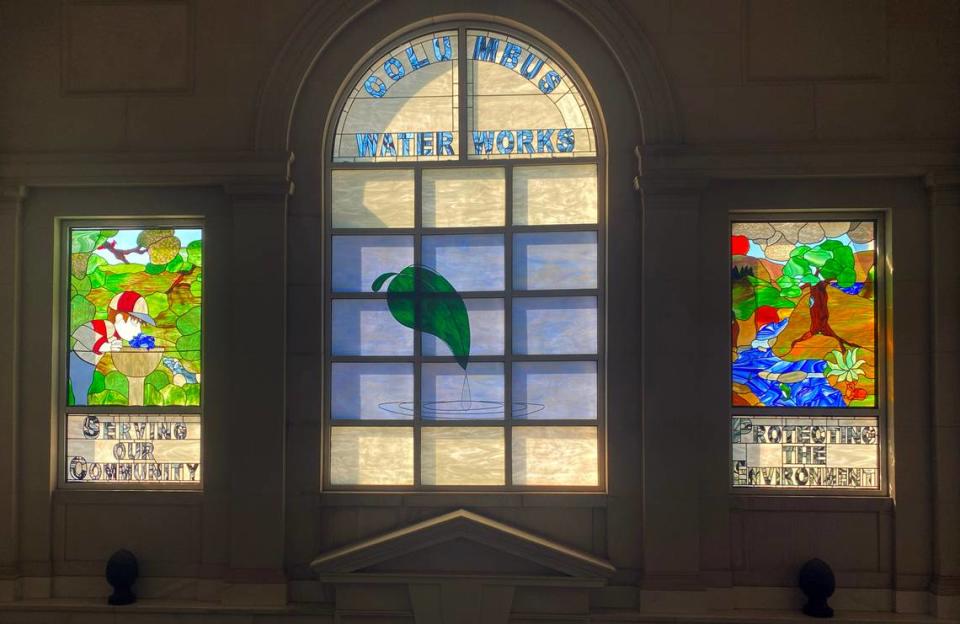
x: 135, y: 316
x: 803, y: 298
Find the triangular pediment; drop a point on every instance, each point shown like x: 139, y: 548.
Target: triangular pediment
x: 462, y: 543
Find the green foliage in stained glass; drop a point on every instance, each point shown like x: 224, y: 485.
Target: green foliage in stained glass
x: 420, y: 298
x: 152, y: 276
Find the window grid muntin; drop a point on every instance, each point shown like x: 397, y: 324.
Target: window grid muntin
x: 463, y: 161
x: 64, y: 410
x: 418, y: 359
x: 880, y: 411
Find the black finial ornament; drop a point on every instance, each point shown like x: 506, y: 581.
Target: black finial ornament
x: 122, y: 571
x: 817, y: 582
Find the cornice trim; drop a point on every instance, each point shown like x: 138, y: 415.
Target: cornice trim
x: 142, y: 169
x: 797, y: 160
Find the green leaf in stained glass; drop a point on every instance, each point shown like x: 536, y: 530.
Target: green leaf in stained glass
x: 189, y: 321
x: 97, y: 279
x: 157, y: 379
x: 175, y: 264
x: 192, y: 394
x: 189, y: 347
x: 98, y: 384
x: 173, y: 395
x: 81, y: 311
x: 84, y: 241
x: 195, y: 252
x: 117, y: 381
x: 420, y: 298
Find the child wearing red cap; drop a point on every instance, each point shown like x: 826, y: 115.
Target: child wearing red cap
x: 125, y: 316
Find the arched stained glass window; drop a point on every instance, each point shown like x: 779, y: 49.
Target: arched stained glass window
x: 464, y: 247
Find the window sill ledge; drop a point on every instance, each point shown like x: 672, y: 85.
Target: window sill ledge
x: 462, y: 499
x: 801, y: 502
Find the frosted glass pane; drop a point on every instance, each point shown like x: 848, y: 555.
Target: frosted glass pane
x: 555, y: 456
x: 366, y: 327
x: 555, y: 325
x: 404, y: 107
x: 555, y: 390
x: 372, y: 391
x: 447, y: 393
x: 358, y: 260
x: 556, y: 194
x: 462, y: 456
x: 555, y: 260
x: 463, y: 197
x: 486, y: 330
x: 372, y: 199
x: 371, y: 456
x: 468, y: 261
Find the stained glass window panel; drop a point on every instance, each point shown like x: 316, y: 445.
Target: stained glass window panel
x: 555, y: 325
x: 803, y: 298
x: 555, y: 195
x: 464, y: 197
x: 359, y: 260
x: 371, y: 456
x: 462, y: 456
x: 486, y: 330
x: 133, y: 448
x: 404, y: 107
x: 450, y: 393
x: 135, y: 316
x: 555, y: 390
x: 555, y: 456
x: 521, y: 103
x: 372, y: 391
x: 470, y: 262
x: 555, y: 260
x: 372, y: 199
x: 805, y: 452
x: 366, y: 327
x: 422, y: 307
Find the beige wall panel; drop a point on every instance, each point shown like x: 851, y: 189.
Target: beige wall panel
x: 821, y: 39
x: 778, y: 542
x: 128, y: 46
x: 872, y: 111
x: 154, y: 532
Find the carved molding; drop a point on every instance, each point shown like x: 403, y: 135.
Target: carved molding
x: 462, y: 524
x: 612, y: 22
x: 798, y: 160
x: 12, y: 195
x: 946, y: 179
x: 142, y: 169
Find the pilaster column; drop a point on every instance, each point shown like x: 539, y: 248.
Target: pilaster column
x: 944, y: 194
x: 11, y: 200
x: 671, y: 414
x: 255, y: 430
